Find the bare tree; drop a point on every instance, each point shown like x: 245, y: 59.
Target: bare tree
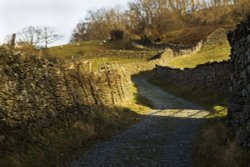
x: 30, y: 35
x: 80, y: 32
x: 35, y: 36
x: 49, y: 36
x: 154, y: 18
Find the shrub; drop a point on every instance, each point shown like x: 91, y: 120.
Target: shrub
x: 116, y: 34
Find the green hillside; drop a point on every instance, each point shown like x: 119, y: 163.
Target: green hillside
x: 99, y: 53
x: 215, y: 48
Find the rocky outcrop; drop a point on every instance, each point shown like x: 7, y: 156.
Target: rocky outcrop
x: 239, y: 105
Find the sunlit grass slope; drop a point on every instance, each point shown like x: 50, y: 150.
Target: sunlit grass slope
x: 215, y: 49
x: 88, y: 48
x: 100, y: 53
x: 211, y: 53
x: 75, y: 49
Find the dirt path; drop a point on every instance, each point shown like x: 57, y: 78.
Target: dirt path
x: 163, y: 139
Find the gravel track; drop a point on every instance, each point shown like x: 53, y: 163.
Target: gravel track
x: 163, y: 139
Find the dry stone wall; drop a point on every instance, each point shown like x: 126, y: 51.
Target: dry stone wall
x: 210, y: 76
x: 128, y: 54
x: 175, y: 51
x: 35, y: 92
x: 239, y: 105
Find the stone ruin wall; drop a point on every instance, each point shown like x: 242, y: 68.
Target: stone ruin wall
x: 34, y: 92
x: 210, y: 76
x: 239, y: 104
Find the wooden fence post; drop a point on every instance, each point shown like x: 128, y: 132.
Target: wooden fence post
x: 13, y: 41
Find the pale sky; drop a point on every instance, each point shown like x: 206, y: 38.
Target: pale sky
x: 62, y: 15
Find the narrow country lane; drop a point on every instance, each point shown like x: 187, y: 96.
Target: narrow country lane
x: 163, y: 139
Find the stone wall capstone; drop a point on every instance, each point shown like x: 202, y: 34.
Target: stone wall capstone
x: 239, y: 104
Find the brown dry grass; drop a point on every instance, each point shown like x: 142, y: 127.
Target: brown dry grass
x: 191, y: 35
x: 216, y: 148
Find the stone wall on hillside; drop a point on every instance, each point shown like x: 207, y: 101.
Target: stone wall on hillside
x: 34, y: 92
x: 159, y: 59
x: 211, y: 76
x: 110, y: 54
x: 218, y: 37
x: 239, y: 105
x: 127, y: 54
x: 174, y: 51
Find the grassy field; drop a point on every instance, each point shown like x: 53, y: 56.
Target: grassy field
x: 76, y: 49
x: 118, y: 52
x: 92, y: 49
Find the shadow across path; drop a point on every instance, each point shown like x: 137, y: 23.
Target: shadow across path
x: 163, y: 139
